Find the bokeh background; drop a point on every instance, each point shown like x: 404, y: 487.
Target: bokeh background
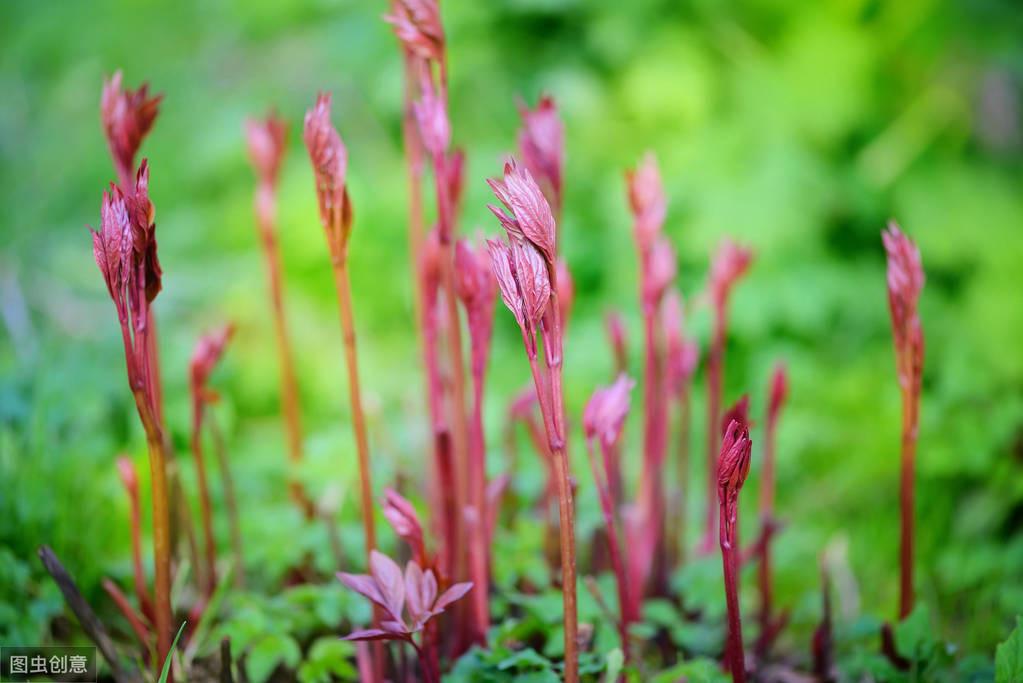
x: 798, y: 128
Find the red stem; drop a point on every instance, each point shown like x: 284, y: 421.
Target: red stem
x: 141, y: 592
x: 625, y: 605
x: 910, y: 406
x: 204, y: 494
x: 135, y: 620
x: 734, y: 648
x: 266, y: 218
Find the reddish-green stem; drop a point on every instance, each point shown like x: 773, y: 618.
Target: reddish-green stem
x: 230, y: 500
x: 210, y: 578
x: 734, y: 648
x: 910, y: 407
x: 266, y: 218
x: 344, y: 297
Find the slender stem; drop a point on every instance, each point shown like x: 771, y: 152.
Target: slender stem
x: 429, y: 675
x: 460, y: 432
x: 204, y: 496
x: 344, y: 297
x: 909, y: 422
x: 734, y: 649
x: 141, y: 592
x: 614, y: 549
x: 766, y: 520
x: 266, y: 218
x: 565, y: 507
x: 161, y: 530
x: 135, y: 620
x: 230, y: 499
x: 678, y: 517
x: 479, y: 565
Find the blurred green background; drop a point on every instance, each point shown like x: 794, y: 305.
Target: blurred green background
x: 799, y: 128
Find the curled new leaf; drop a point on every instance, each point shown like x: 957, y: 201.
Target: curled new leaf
x: 130, y: 479
x: 905, y: 282
x: 405, y: 521
x: 266, y: 140
x: 531, y: 214
x: 730, y: 263
x: 504, y: 272
x: 779, y: 392
x: 432, y: 117
x: 329, y: 158
x: 208, y: 351
x: 733, y: 467
x: 418, y: 26
x: 661, y: 268
x: 646, y: 199
x: 533, y: 280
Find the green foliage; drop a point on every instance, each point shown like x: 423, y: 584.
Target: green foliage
x: 1009, y: 656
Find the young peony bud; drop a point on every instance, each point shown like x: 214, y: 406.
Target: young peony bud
x: 330, y: 165
x: 733, y: 467
x: 661, y: 268
x: 730, y: 263
x: 208, y: 351
x: 646, y: 199
x: 905, y: 282
x: 127, y: 117
x: 112, y: 244
x: 606, y: 411
x: 779, y: 392
x: 405, y: 522
x: 504, y: 272
x: 432, y: 117
x: 534, y: 282
x: 266, y: 140
x: 129, y: 477
x: 418, y: 26
x: 616, y: 334
x: 531, y: 214
x: 542, y: 147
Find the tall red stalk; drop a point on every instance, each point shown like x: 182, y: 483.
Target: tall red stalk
x: 126, y: 470
x: 730, y: 263
x: 732, y: 469
x: 905, y: 281
x: 657, y: 269
x: 776, y: 399
x: 207, y: 353
x: 477, y: 289
x: 681, y: 355
x: 125, y: 251
x: 330, y: 165
x: 527, y: 272
x: 603, y: 421
x: 267, y: 139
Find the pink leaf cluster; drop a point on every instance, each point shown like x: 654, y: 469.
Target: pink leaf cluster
x: 413, y: 593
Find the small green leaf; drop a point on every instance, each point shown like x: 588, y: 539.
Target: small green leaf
x: 1009, y: 656
x: 615, y: 662
x: 167, y: 662
x: 913, y: 637
x: 270, y: 652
